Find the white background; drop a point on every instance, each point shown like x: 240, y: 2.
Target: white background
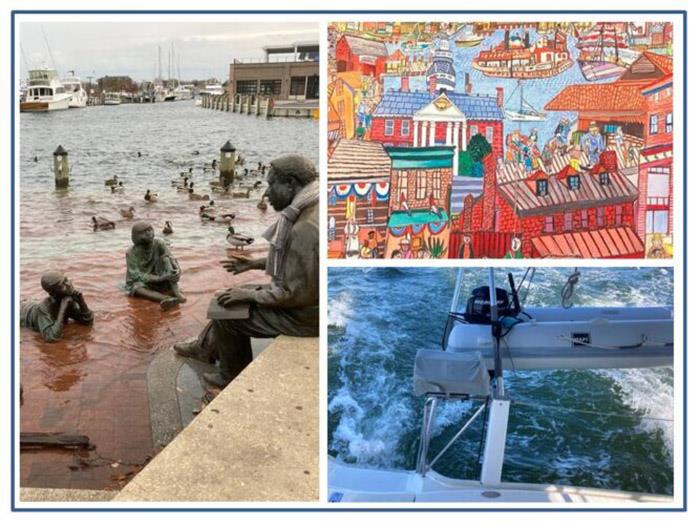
x: 350, y: 517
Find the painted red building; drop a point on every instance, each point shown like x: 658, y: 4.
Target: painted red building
x: 655, y: 205
x: 422, y: 119
x: 578, y: 214
x: 353, y: 53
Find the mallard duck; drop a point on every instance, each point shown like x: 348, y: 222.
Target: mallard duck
x: 226, y: 218
x: 168, y: 228
x: 150, y: 197
x: 241, y: 194
x: 100, y: 223
x: 204, y: 209
x: 197, y: 197
x: 119, y: 188
x: 183, y: 185
x: 112, y: 182
x: 128, y: 213
x: 186, y: 173
x: 238, y: 240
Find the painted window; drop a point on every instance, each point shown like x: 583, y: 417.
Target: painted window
x: 653, y: 124
x: 669, y: 122
x: 331, y: 229
x: 388, y: 127
x: 584, y: 219
x: 549, y: 224
x: 600, y: 216
x: 489, y: 134
x: 657, y: 221
x: 618, y: 215
x: 568, y: 221
x: 421, y: 185
x: 604, y: 178
x: 473, y: 130
x: 403, y: 184
x: 658, y: 185
x: 574, y: 182
x: 436, y: 185
x: 370, y: 216
x: 405, y: 128
x: 541, y: 187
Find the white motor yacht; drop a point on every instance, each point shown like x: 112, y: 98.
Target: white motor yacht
x: 45, y: 92
x: 74, y: 86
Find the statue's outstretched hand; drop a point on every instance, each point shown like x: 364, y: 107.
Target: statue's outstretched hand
x: 233, y: 296
x: 237, y: 264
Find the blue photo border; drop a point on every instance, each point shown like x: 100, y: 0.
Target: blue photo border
x: 312, y: 508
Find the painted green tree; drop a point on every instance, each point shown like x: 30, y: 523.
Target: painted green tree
x: 470, y: 160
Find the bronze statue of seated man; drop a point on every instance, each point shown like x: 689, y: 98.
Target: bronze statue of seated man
x: 288, y: 305
x: 151, y: 271
x: 63, y: 303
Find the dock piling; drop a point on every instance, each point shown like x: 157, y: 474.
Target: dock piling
x: 61, y: 168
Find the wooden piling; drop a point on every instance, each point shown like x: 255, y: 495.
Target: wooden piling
x: 61, y: 169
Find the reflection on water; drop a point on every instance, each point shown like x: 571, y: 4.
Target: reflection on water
x: 93, y: 382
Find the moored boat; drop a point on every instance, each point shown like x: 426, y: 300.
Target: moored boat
x: 44, y: 92
x: 74, y: 86
x: 604, y: 52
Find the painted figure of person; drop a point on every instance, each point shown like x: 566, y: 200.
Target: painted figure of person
x: 151, y: 271
x: 372, y: 244
x: 515, y: 251
x: 288, y: 305
x: 352, y: 242
x: 49, y: 316
x: 594, y: 144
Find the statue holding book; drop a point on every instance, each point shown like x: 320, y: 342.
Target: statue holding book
x: 288, y: 304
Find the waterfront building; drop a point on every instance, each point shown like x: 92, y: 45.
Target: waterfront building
x: 353, y: 53
x: 287, y: 72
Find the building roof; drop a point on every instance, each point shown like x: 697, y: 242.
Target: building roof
x: 595, y: 244
x: 407, y: 103
x: 598, y: 97
x: 363, y: 46
x: 522, y: 195
x: 431, y: 157
x: 358, y: 160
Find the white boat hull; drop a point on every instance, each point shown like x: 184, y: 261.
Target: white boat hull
x: 607, y: 338
x: 348, y: 483
x: 43, y: 105
x: 523, y: 117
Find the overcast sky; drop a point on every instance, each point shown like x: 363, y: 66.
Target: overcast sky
x: 116, y: 48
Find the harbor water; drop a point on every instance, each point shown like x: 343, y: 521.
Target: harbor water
x: 95, y: 381
x: 597, y: 428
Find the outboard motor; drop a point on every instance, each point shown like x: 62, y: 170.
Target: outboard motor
x: 479, y: 305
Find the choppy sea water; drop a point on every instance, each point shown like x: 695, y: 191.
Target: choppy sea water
x: 378, y: 318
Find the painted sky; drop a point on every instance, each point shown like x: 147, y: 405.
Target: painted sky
x: 203, y: 49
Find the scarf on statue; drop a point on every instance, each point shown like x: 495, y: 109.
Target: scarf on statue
x: 278, y: 233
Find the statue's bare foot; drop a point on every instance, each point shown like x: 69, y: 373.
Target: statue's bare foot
x: 170, y: 302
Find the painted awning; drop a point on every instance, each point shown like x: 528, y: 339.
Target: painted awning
x: 402, y: 223
x: 656, y: 153
x: 605, y: 243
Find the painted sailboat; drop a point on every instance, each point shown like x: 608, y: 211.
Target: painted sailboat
x: 525, y: 112
x: 492, y: 331
x: 604, y: 52
x: 469, y: 39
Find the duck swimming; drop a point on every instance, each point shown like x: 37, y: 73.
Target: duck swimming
x: 150, y: 197
x: 119, y: 188
x: 168, y: 228
x: 226, y: 218
x: 100, y: 223
x: 128, y: 213
x: 238, y: 240
x: 112, y: 182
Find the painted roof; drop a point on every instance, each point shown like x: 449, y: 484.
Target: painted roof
x: 594, y: 244
x: 363, y: 46
x: 416, y: 158
x: 521, y: 194
x: 598, y: 97
x: 358, y: 160
x: 407, y: 103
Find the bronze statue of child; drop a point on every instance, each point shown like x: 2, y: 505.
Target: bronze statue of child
x: 151, y: 271
x: 63, y: 303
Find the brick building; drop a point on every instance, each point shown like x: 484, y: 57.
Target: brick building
x: 655, y: 182
x: 570, y: 213
x: 422, y: 119
x: 419, y: 177
x: 353, y: 53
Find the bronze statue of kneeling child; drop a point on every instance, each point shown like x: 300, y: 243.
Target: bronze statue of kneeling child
x: 50, y: 315
x: 151, y: 271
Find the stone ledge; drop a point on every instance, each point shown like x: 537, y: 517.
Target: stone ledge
x: 34, y: 494
x: 257, y: 441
